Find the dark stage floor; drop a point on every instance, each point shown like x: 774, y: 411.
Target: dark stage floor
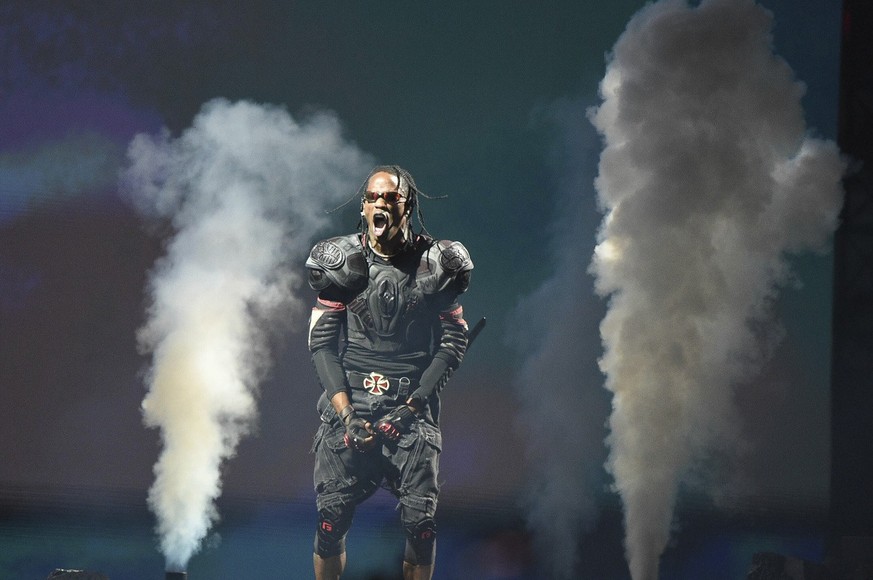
x: 111, y: 532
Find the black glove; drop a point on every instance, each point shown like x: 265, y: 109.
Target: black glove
x: 358, y: 436
x: 395, y: 423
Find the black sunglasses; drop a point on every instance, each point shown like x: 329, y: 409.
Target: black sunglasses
x: 388, y: 196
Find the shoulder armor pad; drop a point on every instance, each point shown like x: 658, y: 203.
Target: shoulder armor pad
x: 443, y: 263
x: 338, y: 261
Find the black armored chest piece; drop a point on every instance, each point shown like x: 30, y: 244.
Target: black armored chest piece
x: 392, y: 296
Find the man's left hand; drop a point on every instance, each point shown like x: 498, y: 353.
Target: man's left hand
x: 395, y: 423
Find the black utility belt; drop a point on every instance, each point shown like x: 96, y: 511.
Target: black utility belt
x: 378, y: 384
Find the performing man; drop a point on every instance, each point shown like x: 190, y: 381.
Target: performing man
x: 385, y: 335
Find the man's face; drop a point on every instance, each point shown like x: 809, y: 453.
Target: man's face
x: 384, y: 211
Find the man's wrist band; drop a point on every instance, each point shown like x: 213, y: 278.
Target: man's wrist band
x: 347, y: 412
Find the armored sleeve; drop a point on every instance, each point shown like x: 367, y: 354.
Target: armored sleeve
x: 452, y: 267
x: 448, y: 357
x: 336, y: 269
x: 325, y: 327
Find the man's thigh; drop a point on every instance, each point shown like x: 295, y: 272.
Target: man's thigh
x: 413, y: 466
x: 342, y: 475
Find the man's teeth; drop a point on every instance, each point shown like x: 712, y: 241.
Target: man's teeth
x: 381, y: 221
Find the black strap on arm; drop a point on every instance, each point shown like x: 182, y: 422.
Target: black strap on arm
x: 439, y: 372
x: 324, y: 345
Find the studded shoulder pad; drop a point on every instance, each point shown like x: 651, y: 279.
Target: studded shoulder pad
x: 443, y: 263
x: 339, y: 261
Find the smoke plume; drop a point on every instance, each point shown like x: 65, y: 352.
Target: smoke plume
x: 559, y: 385
x: 708, y: 179
x: 245, y: 189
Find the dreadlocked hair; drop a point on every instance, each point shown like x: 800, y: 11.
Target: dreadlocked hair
x: 406, y: 186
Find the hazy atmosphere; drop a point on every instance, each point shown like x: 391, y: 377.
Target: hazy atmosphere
x: 648, y: 192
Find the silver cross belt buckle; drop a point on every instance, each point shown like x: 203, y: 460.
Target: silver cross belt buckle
x: 376, y: 384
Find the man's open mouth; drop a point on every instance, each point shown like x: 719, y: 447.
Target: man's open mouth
x: 381, y: 221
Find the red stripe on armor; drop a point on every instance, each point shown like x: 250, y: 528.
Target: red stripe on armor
x: 331, y: 305
x: 456, y: 315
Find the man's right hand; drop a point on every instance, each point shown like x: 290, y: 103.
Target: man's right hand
x: 358, y: 434
x: 396, y: 423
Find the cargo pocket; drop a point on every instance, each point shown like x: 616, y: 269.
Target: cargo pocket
x: 420, y: 469
x: 325, y: 410
x: 331, y: 455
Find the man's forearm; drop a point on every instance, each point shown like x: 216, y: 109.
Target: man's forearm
x: 330, y: 372
x: 340, y: 401
x: 325, y: 327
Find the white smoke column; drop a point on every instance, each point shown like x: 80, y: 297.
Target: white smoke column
x: 564, y: 406
x: 707, y: 179
x: 246, y: 188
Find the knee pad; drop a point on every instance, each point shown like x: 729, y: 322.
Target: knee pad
x: 420, y: 541
x: 333, y: 524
